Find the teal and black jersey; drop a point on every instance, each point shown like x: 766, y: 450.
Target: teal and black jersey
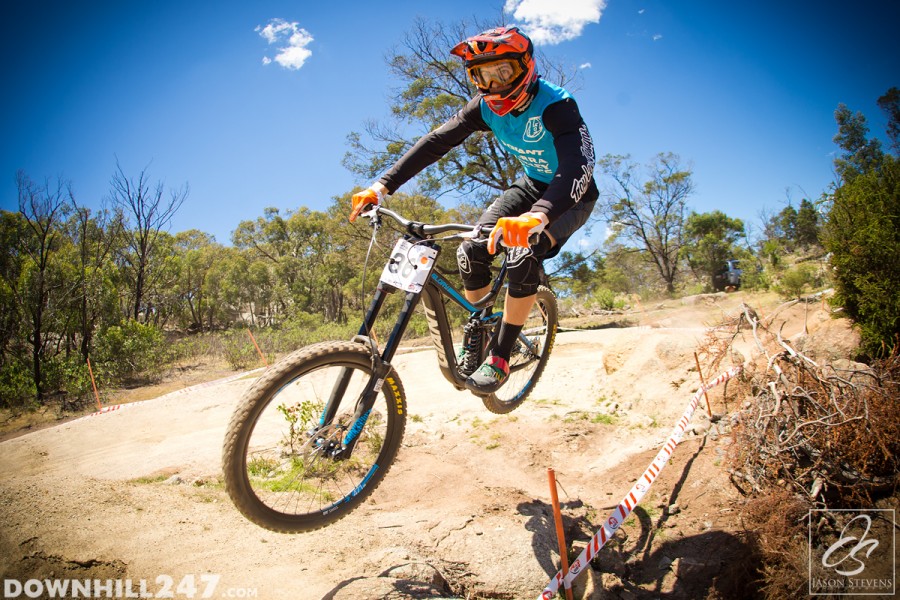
x: 525, y: 136
x: 548, y: 137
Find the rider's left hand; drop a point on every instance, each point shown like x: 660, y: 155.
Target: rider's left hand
x: 515, y: 231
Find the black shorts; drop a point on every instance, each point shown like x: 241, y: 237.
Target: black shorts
x: 522, y: 195
x: 524, y: 264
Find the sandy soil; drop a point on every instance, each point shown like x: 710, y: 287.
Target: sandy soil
x: 136, y: 493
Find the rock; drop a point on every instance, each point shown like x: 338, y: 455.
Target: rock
x: 609, y: 560
x: 588, y: 586
x: 674, y: 509
x: 526, y: 548
x: 417, y: 571
x: 693, y: 569
x: 700, y: 428
x: 386, y: 588
x: 849, y: 370
x: 610, y: 582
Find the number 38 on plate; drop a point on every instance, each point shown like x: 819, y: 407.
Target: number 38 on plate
x: 409, y: 266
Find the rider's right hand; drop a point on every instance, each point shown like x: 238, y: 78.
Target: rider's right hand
x: 361, y: 200
x: 516, y: 231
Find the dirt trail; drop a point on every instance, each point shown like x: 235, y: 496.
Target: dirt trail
x: 136, y: 493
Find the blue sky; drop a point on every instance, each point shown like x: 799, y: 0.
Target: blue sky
x: 194, y: 92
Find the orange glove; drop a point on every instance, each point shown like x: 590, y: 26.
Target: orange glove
x: 515, y: 231
x: 361, y: 200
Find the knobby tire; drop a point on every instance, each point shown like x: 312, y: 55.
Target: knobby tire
x: 286, y: 484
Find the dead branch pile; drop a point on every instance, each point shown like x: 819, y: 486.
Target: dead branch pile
x: 828, y: 432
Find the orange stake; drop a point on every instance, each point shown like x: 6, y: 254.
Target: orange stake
x: 703, y: 383
x: 94, y: 385
x: 253, y: 339
x: 560, y: 535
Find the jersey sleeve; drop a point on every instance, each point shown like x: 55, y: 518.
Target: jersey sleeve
x: 575, y: 152
x: 431, y: 147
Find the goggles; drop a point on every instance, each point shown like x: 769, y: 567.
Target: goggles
x: 495, y: 76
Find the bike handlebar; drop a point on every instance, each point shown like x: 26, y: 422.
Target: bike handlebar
x: 423, y: 230
x: 419, y: 229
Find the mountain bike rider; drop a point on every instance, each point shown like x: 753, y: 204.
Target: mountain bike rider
x: 540, y: 124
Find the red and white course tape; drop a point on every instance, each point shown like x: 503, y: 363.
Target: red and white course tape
x: 114, y: 407
x: 633, y: 497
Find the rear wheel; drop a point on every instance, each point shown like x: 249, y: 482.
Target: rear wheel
x: 529, y: 355
x: 286, y: 472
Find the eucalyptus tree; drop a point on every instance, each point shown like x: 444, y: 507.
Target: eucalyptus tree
x: 647, y: 208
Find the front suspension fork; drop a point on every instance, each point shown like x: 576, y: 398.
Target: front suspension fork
x: 381, y: 368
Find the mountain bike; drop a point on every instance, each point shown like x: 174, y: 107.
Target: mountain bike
x: 316, y: 434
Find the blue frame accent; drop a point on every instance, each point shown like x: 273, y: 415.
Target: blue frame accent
x: 454, y: 295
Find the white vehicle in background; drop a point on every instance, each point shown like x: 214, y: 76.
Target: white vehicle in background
x: 728, y: 278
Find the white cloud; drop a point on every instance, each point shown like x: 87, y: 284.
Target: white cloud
x: 555, y: 21
x: 657, y: 37
x: 586, y: 65
x: 292, y: 41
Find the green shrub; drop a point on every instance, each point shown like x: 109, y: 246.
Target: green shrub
x: 238, y: 350
x: 755, y: 278
x: 70, y: 375
x: 863, y: 234
x: 796, y: 280
x: 605, y: 299
x: 129, y: 350
x: 17, y: 386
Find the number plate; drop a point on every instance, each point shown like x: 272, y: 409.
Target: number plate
x: 409, y: 266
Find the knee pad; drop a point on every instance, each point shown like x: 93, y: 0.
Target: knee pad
x: 474, y: 264
x: 524, y: 272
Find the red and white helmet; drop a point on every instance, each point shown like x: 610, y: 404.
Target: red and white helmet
x: 500, y: 62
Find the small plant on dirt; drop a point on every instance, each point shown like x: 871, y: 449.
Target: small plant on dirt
x: 299, y: 417
x: 604, y: 419
x: 150, y: 479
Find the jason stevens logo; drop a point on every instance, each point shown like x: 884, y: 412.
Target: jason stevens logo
x: 852, y: 552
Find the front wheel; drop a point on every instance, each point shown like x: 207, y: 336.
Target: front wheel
x: 529, y: 355
x: 283, y: 465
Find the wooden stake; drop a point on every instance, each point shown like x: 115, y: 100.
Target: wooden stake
x: 703, y: 383
x: 560, y: 535
x: 253, y: 339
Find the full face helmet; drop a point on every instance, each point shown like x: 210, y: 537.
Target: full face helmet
x: 500, y: 62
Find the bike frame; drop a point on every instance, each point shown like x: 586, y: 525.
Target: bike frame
x: 439, y: 327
